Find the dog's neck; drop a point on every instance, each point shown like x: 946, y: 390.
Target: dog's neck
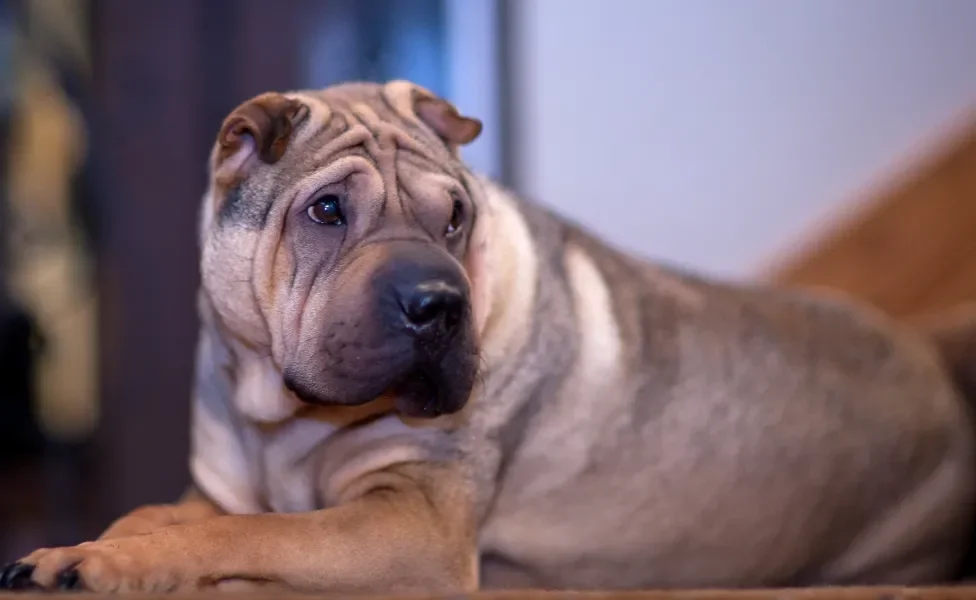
x: 513, y: 267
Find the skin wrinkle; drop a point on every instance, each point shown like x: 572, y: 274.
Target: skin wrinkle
x: 276, y: 183
x: 282, y: 255
x: 373, y: 145
x: 357, y: 255
x: 388, y: 168
x: 320, y: 113
x: 263, y: 270
x: 365, y: 114
x: 337, y: 171
x: 264, y: 243
x: 386, y: 103
x: 409, y: 212
x: 301, y: 312
x: 356, y: 135
x: 402, y: 107
x: 473, y: 212
x: 388, y: 141
x: 423, y: 163
x: 403, y: 140
x: 377, y: 225
x: 358, y: 151
x: 255, y: 294
x: 468, y: 236
x: 403, y: 130
x: 423, y: 187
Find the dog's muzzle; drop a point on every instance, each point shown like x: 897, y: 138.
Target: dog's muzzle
x: 434, y: 310
x: 409, y: 333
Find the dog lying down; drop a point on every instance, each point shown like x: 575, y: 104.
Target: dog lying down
x: 409, y: 380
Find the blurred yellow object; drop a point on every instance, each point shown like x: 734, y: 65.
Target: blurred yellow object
x: 50, y: 271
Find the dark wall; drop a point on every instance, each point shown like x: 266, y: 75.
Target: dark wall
x: 165, y: 73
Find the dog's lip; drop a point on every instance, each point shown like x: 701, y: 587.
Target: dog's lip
x: 417, y: 394
x: 423, y: 389
x: 309, y: 397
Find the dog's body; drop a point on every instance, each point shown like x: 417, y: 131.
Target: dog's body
x: 594, y: 422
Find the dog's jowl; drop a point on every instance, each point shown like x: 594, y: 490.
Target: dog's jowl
x: 409, y: 380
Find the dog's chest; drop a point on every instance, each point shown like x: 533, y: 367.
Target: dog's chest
x: 288, y: 458
x: 305, y: 464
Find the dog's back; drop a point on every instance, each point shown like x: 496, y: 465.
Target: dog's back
x: 743, y: 435
x: 955, y: 338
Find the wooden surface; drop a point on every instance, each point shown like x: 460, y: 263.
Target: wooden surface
x: 880, y: 593
x: 914, y: 251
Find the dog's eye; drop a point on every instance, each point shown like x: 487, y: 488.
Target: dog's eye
x: 326, y: 211
x: 457, y: 218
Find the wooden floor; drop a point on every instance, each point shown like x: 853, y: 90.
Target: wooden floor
x: 880, y: 593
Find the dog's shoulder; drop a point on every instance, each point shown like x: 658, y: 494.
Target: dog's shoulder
x: 664, y: 316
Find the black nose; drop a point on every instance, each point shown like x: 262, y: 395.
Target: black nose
x: 433, y: 308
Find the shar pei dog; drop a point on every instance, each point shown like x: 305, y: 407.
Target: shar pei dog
x: 410, y: 380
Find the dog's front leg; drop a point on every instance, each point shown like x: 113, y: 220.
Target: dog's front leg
x: 192, y: 507
x: 405, y: 529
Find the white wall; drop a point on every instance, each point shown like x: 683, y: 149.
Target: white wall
x: 713, y: 133
x: 473, y: 76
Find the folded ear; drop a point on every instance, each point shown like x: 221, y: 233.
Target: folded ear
x: 442, y: 117
x: 257, y: 130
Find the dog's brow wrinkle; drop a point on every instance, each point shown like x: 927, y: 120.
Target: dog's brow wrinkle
x: 393, y: 114
x: 338, y: 125
x: 357, y: 151
x: 369, y: 119
x: 321, y: 118
x: 389, y: 240
x: 359, y: 121
x: 357, y: 135
x: 406, y: 141
x: 364, y: 113
x: 408, y: 208
x: 342, y: 121
x: 425, y: 162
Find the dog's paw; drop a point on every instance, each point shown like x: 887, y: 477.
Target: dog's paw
x: 101, y: 567
x: 17, y: 577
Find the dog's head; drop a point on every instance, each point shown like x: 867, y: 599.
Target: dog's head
x: 340, y: 237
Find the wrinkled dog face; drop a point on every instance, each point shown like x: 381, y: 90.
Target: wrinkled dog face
x: 337, y: 235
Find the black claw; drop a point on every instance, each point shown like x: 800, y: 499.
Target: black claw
x: 69, y: 580
x: 17, y: 576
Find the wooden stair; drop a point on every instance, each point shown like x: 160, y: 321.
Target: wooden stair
x: 913, y: 251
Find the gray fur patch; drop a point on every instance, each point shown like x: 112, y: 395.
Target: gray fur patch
x: 240, y: 209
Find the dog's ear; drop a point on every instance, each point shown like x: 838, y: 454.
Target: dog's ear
x: 257, y: 130
x: 443, y: 118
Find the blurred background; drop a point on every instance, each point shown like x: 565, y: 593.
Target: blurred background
x: 817, y: 142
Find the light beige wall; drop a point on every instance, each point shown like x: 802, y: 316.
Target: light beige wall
x: 714, y: 133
